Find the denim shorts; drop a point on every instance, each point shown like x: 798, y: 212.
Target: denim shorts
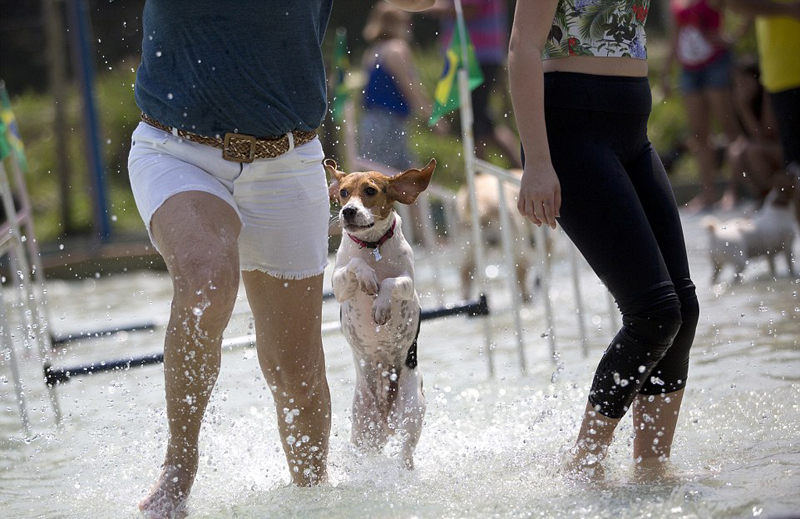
x: 282, y: 202
x: 713, y: 76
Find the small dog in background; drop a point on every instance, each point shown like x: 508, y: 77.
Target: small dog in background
x: 770, y: 231
x: 488, y: 201
x: 373, y: 279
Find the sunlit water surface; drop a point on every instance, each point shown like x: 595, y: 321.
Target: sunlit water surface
x: 490, y: 447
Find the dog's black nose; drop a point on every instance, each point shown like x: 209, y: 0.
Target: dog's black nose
x: 348, y: 213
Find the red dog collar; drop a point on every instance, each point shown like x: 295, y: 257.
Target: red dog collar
x: 375, y: 244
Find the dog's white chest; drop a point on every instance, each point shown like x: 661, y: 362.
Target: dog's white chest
x: 386, y: 343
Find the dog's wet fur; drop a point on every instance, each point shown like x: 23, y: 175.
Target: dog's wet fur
x: 380, y: 310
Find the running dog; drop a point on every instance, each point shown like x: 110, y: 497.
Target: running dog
x: 373, y: 279
x: 769, y: 232
x: 488, y: 202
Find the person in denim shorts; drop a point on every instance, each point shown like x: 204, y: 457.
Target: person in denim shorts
x: 706, y: 63
x: 227, y: 174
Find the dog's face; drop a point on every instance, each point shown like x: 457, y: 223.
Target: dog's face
x: 367, y: 197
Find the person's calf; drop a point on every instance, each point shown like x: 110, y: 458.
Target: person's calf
x: 793, y: 171
x: 303, y: 406
x: 304, y: 423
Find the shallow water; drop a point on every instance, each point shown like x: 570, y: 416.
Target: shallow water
x: 490, y: 447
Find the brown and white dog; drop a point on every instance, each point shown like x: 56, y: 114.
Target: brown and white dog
x: 373, y: 279
x: 488, y: 201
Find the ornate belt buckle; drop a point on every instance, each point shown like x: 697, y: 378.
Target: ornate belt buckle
x: 230, y: 153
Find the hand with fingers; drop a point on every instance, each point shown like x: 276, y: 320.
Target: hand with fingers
x: 540, y: 194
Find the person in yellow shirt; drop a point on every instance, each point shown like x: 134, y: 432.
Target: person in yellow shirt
x: 778, y: 36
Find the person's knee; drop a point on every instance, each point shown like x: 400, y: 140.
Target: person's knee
x: 690, y: 312
x: 655, y: 327
x: 300, y: 378
x: 736, y: 153
x: 205, y: 289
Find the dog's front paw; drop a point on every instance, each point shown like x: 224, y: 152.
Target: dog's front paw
x: 364, y: 276
x: 381, y: 311
x: 367, y: 281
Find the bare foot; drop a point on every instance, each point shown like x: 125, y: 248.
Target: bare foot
x: 167, y: 499
x: 584, y: 464
x: 652, y: 470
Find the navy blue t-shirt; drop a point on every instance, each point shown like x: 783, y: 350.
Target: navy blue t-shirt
x: 246, y: 66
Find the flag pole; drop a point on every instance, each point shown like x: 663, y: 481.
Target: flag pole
x: 468, y: 140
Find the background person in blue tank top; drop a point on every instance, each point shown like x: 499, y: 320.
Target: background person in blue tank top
x: 579, y: 87
x: 227, y: 175
x: 392, y: 93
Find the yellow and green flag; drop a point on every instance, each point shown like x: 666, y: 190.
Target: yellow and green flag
x: 341, y: 64
x: 445, y: 97
x: 10, y: 141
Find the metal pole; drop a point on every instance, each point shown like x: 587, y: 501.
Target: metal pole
x: 57, y: 79
x: 25, y: 272
x: 468, y: 141
x: 541, y: 239
x: 56, y: 376
x: 12, y: 359
x: 81, y: 47
x: 511, y: 275
x: 37, y: 272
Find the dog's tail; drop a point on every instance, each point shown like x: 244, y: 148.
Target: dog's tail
x: 710, y: 223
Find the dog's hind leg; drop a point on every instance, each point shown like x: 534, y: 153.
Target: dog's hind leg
x: 522, y: 278
x: 369, y: 431
x: 717, y: 270
x: 467, y: 274
x: 787, y: 251
x: 771, y: 263
x: 740, y: 265
x: 408, y: 413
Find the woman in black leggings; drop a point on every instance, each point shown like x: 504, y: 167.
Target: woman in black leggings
x: 581, y: 102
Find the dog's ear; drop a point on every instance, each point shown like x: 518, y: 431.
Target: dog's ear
x: 407, y: 186
x: 336, y: 176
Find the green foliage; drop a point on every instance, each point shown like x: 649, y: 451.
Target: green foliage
x: 118, y: 117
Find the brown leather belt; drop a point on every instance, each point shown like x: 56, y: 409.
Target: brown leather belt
x: 238, y: 147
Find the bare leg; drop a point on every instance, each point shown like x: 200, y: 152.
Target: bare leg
x: 723, y: 109
x: 698, y: 113
x: 369, y: 431
x: 197, y: 235
x: 288, y: 318
x: 467, y: 273
x: 409, y: 413
x: 654, y: 421
x: 736, y: 156
x: 594, y: 438
x: 793, y: 170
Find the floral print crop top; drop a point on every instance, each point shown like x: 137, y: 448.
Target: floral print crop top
x: 604, y: 28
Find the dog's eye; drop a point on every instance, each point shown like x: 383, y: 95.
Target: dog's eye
x: 343, y: 193
x: 370, y: 191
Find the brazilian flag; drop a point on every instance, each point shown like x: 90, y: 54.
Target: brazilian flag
x: 341, y: 63
x: 445, y: 97
x: 10, y: 141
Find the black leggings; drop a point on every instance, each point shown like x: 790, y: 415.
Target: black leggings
x: 619, y: 210
x: 786, y: 106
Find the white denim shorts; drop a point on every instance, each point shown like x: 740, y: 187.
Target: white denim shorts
x: 282, y: 202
